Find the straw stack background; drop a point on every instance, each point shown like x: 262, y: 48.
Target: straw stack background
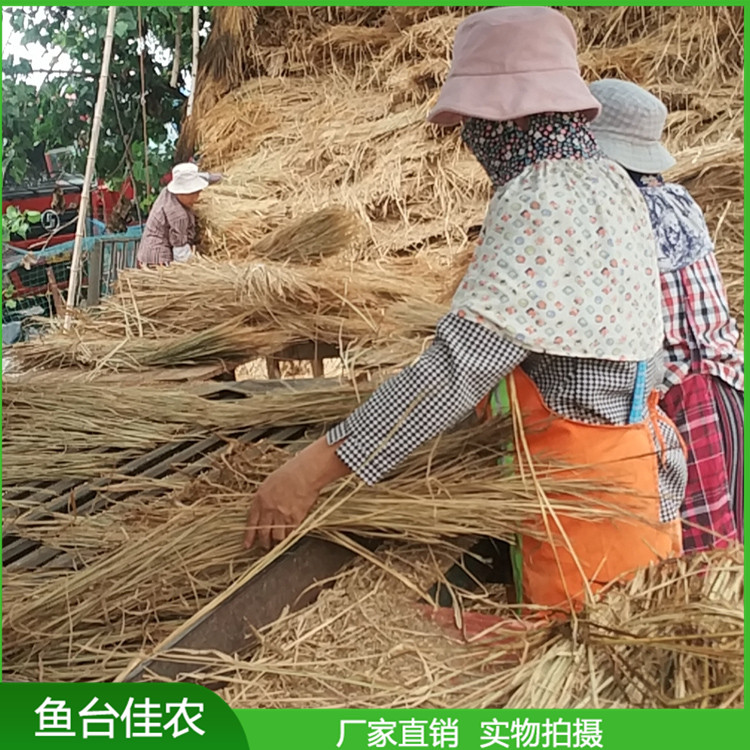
x: 326, y: 106
x: 316, y: 116
x: 343, y: 217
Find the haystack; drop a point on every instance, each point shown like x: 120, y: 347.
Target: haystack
x: 342, y: 94
x: 316, y: 116
x: 344, y: 218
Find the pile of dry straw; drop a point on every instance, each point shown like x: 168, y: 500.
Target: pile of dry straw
x: 326, y: 107
x: 671, y: 638
x: 340, y: 215
x: 317, y: 118
x: 143, y: 568
x: 57, y: 428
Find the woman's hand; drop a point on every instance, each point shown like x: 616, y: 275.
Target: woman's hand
x: 285, y: 498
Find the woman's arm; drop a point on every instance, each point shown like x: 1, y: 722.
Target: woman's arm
x: 465, y: 361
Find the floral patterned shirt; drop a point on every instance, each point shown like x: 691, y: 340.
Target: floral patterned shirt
x: 566, y: 261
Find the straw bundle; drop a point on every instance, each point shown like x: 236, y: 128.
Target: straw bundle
x: 86, y: 430
x: 231, y: 342
x: 672, y: 638
x: 148, y: 563
x: 310, y: 238
x: 211, y: 311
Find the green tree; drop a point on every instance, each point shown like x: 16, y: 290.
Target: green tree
x: 59, y: 113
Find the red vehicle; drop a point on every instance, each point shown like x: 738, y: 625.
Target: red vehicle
x: 57, y: 197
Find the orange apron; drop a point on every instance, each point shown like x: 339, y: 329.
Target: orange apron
x: 623, y: 456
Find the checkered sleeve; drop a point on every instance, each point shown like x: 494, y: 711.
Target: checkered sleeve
x: 713, y: 325
x: 676, y: 342
x: 466, y: 360
x: 700, y: 333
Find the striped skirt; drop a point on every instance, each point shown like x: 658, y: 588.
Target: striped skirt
x: 709, y: 415
x: 730, y: 404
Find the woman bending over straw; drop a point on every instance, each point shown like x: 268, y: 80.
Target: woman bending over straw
x: 704, y: 385
x: 169, y: 233
x: 560, y: 306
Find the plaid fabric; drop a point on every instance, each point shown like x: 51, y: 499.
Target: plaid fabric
x: 593, y: 391
x: 464, y: 363
x: 169, y: 225
x: 730, y: 407
x: 707, y: 516
x: 700, y: 334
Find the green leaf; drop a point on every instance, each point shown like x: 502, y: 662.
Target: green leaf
x: 33, y: 217
x: 50, y: 115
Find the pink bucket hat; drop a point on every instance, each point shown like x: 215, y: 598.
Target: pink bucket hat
x: 510, y: 63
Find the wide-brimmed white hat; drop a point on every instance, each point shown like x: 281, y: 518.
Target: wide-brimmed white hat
x: 630, y: 125
x: 187, y: 178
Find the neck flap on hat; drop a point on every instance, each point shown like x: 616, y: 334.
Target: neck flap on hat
x: 566, y: 263
x: 504, y: 149
x: 682, y: 236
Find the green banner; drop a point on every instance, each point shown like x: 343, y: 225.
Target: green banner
x: 96, y: 715
x: 188, y: 716
x: 480, y: 729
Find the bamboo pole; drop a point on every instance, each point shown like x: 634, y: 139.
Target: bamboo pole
x: 143, y: 103
x: 175, y: 77
x: 75, y: 265
x: 191, y: 97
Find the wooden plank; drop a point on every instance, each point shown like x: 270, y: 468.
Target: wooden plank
x: 93, y: 292
x: 55, y: 291
x: 308, y: 350
x: 273, y: 372
x: 256, y: 387
x: 43, y: 495
x: 288, y: 582
x: 22, y: 492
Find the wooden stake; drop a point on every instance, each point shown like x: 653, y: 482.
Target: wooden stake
x: 196, y: 19
x: 55, y: 292
x: 76, y: 262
